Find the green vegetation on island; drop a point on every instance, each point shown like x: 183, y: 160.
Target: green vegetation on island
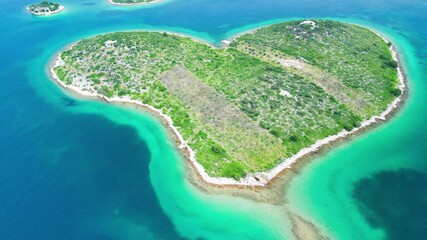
x: 246, y: 107
x: 131, y: 2
x: 45, y: 8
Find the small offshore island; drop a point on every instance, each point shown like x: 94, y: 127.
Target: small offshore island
x: 132, y: 2
x: 45, y: 8
x: 243, y: 113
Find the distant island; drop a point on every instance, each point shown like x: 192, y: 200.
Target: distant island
x: 244, y: 112
x: 132, y: 2
x: 45, y: 8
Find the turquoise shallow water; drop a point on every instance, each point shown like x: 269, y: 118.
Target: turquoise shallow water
x: 74, y: 168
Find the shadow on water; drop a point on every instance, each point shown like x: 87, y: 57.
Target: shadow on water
x: 395, y: 201
x: 69, y: 102
x: 88, y: 3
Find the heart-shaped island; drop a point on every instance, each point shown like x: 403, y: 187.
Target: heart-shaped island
x: 244, y: 112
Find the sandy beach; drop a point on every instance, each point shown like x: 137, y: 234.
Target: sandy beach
x: 265, y: 179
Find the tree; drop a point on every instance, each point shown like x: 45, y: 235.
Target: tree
x: 396, y: 92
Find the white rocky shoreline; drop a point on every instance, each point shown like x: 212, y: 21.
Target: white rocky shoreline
x: 260, y: 179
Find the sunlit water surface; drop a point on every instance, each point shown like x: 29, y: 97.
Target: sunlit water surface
x: 79, y: 169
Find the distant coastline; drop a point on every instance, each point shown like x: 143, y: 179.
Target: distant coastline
x: 44, y: 13
x: 133, y: 4
x: 268, y: 176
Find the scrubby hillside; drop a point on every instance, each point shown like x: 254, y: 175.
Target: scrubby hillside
x: 246, y: 107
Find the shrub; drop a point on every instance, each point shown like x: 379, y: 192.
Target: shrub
x: 293, y: 138
x: 396, y: 92
x: 217, y: 149
x: 234, y: 170
x: 357, y: 124
x: 348, y: 128
x: 392, y: 64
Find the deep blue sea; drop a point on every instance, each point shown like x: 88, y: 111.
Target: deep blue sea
x: 80, y: 169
